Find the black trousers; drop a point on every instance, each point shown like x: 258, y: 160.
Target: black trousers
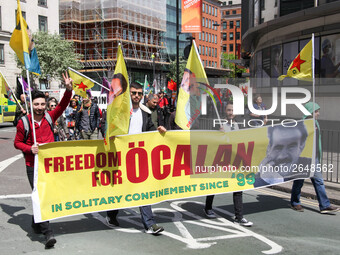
x: 238, y: 204
x: 43, y: 226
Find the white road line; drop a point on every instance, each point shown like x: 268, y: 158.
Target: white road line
x: 7, y: 162
x: 15, y: 196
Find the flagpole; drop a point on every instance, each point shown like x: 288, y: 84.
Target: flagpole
x: 313, y: 77
x: 23, y: 91
x: 31, y: 106
x: 16, y: 100
x: 71, y: 69
x: 198, y: 55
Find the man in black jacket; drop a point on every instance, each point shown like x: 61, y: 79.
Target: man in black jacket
x: 140, y: 122
x: 87, y: 120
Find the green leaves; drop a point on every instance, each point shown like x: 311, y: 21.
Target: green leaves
x: 55, y: 55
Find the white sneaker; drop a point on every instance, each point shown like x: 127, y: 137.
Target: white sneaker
x: 243, y: 222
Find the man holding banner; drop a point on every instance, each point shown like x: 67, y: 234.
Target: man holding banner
x: 24, y: 141
x: 140, y: 122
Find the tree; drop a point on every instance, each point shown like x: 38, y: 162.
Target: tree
x: 172, y: 70
x: 55, y: 55
x: 236, y: 71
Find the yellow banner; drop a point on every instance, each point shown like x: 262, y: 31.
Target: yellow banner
x: 78, y: 177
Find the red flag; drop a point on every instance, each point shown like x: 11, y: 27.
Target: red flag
x: 172, y: 85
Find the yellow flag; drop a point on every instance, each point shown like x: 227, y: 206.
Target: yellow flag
x: 2, y: 84
x: 189, y: 101
x: 118, y: 109
x: 21, y: 42
x: 301, y: 67
x: 80, y: 83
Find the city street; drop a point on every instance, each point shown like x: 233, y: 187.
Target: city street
x: 277, y: 229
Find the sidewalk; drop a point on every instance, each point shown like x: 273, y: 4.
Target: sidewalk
x: 332, y: 189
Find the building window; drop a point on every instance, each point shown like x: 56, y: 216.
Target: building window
x: 215, y: 38
x: 224, y: 25
x: 199, y: 36
x: 275, y: 4
x: 237, y: 35
x: 203, y: 36
x: 262, y: 4
x: 203, y: 50
x: 203, y: 5
x: 42, y: 3
x: 2, y: 54
x: 130, y: 35
x: 209, y: 52
x: 216, y: 12
x: 206, y: 63
x: 203, y: 22
x: 237, y: 23
x: 42, y: 23
x: 199, y: 49
x: 215, y: 53
x: 209, y: 9
x: 209, y: 63
x: 224, y: 36
x: 209, y: 23
x: 234, y: 11
x: 231, y: 47
x: 206, y: 51
x: 23, y: 15
x: 230, y: 2
x: 224, y: 48
x: 231, y: 36
x: 227, y: 12
x: 231, y: 24
x: 124, y: 36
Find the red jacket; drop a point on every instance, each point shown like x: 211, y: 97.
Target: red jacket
x: 43, y: 132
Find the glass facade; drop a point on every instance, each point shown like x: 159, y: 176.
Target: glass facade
x: 170, y: 35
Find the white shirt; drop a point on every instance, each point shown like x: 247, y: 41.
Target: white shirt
x: 136, y: 122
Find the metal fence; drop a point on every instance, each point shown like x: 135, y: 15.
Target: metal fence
x: 331, y: 154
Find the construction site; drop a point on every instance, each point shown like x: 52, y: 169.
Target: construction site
x: 97, y: 27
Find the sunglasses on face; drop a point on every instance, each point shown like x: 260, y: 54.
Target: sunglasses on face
x: 53, y: 105
x: 135, y: 93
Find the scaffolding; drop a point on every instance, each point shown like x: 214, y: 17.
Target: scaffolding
x: 98, y: 26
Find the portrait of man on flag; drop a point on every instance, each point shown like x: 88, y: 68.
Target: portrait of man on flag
x: 118, y: 86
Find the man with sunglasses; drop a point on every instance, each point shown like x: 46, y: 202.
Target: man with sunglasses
x: 140, y: 122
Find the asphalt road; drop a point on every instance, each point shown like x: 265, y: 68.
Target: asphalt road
x: 277, y: 229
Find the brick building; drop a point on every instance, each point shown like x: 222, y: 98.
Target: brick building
x: 208, y: 41
x: 231, y: 28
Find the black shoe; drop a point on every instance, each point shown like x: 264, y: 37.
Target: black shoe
x: 50, y: 241
x: 112, y: 221
x: 154, y: 229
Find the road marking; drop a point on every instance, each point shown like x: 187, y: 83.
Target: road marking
x: 14, y: 196
x: 7, y: 162
x: 228, y: 229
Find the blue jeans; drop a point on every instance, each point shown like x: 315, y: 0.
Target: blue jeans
x: 145, y: 213
x: 147, y: 216
x: 319, y: 187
